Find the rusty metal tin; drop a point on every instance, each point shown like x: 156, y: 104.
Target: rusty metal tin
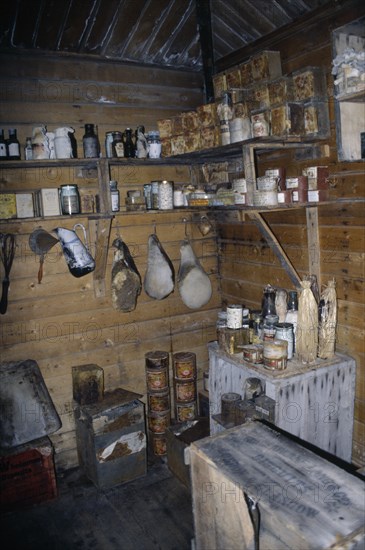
x: 185, y: 390
x: 157, y: 379
x: 185, y: 411
x: 184, y: 365
x: 157, y: 359
x: 159, y: 401
x: 158, y: 422
x: 253, y: 353
x: 228, y: 403
x: 159, y: 443
x: 275, y: 354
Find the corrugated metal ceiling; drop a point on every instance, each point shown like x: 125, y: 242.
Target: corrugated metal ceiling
x: 154, y: 32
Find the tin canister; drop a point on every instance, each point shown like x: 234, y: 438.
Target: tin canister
x: 228, y: 403
x: 185, y: 390
x: 157, y: 378
x: 158, y: 422
x: 159, y: 443
x: 157, y: 359
x: 275, y: 354
x: 243, y: 411
x: 253, y: 353
x: 234, y: 316
x: 285, y: 331
x: 159, y: 401
x: 185, y: 411
x: 184, y: 365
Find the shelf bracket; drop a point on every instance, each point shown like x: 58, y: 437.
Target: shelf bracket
x: 275, y: 246
x: 314, y: 255
x: 99, y: 228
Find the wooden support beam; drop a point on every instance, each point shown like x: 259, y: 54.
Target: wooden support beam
x: 204, y: 19
x: 275, y: 246
x: 314, y: 251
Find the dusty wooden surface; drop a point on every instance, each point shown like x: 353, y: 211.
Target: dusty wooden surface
x: 304, y: 500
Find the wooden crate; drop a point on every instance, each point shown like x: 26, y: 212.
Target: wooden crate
x: 111, y: 438
x: 303, y: 500
x: 27, y: 475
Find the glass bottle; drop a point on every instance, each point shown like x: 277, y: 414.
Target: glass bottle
x: 3, y: 146
x: 129, y: 147
x: 28, y: 152
x: 117, y: 145
x: 109, y: 144
x: 13, y: 145
x: 90, y: 142
x: 292, y: 312
x: 141, y: 143
x: 114, y: 194
x: 268, y: 301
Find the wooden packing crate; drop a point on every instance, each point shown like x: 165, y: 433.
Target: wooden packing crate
x: 304, y: 501
x: 111, y: 438
x: 27, y: 475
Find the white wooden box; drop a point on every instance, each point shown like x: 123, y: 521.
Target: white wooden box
x: 314, y: 403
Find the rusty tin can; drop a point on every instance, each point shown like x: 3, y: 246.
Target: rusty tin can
x: 159, y: 443
x: 159, y: 401
x: 157, y: 379
x: 185, y: 411
x: 158, y: 422
x: 185, y: 391
x: 184, y: 364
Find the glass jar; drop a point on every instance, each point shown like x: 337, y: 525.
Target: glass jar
x: 70, y: 200
x: 141, y: 143
x: 117, y: 145
x: 270, y: 322
x: 154, y: 145
x: 114, y: 195
x: 90, y: 142
x: 165, y: 195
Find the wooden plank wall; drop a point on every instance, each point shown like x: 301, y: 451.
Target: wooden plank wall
x: 59, y: 323
x: 246, y: 262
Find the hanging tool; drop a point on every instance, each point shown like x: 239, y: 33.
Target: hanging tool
x: 7, y: 250
x: 40, y: 242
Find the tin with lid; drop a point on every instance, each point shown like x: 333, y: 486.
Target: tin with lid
x: 70, y: 199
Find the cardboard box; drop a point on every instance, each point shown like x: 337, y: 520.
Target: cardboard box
x: 7, y: 206
x: 309, y: 83
x: 24, y: 205
x: 287, y: 120
x: 266, y: 65
x: 27, y: 475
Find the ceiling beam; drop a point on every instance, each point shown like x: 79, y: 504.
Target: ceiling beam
x: 204, y: 20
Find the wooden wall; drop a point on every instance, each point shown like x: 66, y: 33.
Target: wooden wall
x: 247, y: 264
x: 59, y: 323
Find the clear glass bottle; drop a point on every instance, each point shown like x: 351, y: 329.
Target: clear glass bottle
x: 90, y: 142
x: 114, y: 194
x: 13, y: 145
x: 141, y: 143
x: 129, y: 147
x: 3, y: 146
x: 117, y: 145
x: 109, y: 145
x: 154, y: 145
x: 28, y: 152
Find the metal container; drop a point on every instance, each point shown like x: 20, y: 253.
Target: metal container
x: 159, y: 401
x: 234, y: 316
x: 253, y: 353
x: 158, y: 422
x: 228, y: 403
x: 185, y: 411
x: 185, y: 390
x: 275, y: 354
x: 70, y: 199
x: 184, y: 365
x: 285, y: 331
x: 111, y: 439
x: 157, y: 378
x: 159, y: 443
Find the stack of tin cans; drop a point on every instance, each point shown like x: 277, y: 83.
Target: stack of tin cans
x: 158, y: 399
x: 185, y: 388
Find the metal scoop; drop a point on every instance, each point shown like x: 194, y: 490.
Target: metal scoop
x: 40, y: 242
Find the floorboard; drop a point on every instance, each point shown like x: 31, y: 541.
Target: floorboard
x: 150, y: 513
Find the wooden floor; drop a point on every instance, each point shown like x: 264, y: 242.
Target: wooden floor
x: 151, y: 513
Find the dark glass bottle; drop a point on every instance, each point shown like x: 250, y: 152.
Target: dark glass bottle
x: 90, y: 142
x: 3, y: 146
x: 73, y: 141
x: 268, y: 301
x: 117, y: 145
x: 129, y: 146
x: 13, y: 145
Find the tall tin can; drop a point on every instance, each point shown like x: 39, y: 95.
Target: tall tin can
x: 285, y: 331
